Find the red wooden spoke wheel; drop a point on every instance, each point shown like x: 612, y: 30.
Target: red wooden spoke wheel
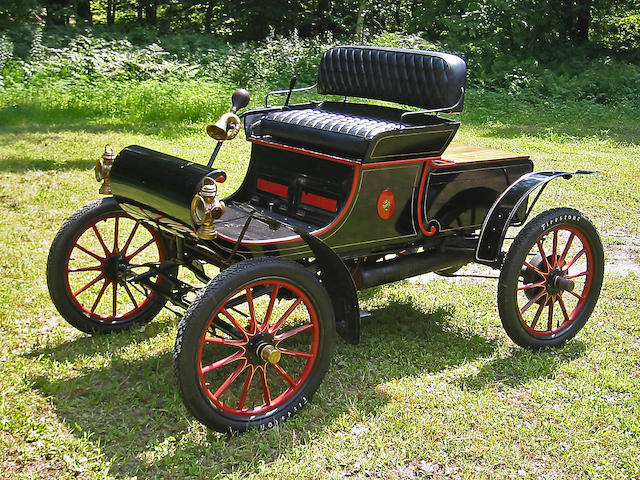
x: 87, y: 264
x: 551, y: 278
x: 255, y: 356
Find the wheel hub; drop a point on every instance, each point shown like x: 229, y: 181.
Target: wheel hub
x: 557, y: 282
x: 261, y: 349
x: 112, y: 267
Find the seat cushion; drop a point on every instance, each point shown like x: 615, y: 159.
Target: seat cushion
x: 421, y: 78
x: 326, y: 131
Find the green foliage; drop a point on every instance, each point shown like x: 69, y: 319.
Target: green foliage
x: 89, y: 58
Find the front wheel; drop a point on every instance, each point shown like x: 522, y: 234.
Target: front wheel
x: 85, y: 269
x: 254, y: 346
x: 551, y: 279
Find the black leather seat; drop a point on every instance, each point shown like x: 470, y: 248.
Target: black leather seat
x: 429, y: 80
x: 325, y: 130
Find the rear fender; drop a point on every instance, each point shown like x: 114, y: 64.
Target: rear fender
x: 498, y: 220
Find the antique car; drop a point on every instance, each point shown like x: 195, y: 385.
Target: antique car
x: 339, y: 196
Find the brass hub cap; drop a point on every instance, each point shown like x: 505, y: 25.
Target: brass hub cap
x: 261, y: 349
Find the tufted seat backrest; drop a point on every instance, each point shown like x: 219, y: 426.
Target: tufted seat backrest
x: 424, y: 79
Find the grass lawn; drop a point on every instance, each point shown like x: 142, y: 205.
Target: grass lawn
x: 435, y: 389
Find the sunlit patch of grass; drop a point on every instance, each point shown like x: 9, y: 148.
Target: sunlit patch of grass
x: 434, y: 388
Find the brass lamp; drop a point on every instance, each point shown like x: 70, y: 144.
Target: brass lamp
x: 102, y: 170
x: 205, y: 208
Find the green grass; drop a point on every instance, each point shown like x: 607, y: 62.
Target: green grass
x: 435, y: 387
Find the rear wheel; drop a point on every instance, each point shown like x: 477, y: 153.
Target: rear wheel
x: 255, y: 345
x: 85, y: 269
x: 551, y: 279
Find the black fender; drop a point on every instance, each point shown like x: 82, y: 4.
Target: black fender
x: 501, y: 213
x: 337, y: 280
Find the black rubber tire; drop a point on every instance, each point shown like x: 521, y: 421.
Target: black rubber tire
x: 195, y: 323
x: 65, y: 240
x: 513, y: 268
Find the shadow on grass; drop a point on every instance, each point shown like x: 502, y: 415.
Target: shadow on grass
x: 523, y: 366
x: 132, y: 408
x: 15, y: 165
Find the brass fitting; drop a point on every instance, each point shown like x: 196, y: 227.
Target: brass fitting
x: 102, y: 170
x: 270, y: 354
x: 205, y: 208
x: 226, y: 128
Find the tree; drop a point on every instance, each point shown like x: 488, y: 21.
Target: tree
x: 83, y: 11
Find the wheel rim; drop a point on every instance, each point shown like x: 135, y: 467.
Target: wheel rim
x: 546, y: 303
x: 93, y: 274
x: 232, y: 374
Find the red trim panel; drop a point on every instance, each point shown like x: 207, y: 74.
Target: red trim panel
x: 336, y: 221
x: 319, y: 201
x: 272, y: 187
x: 433, y: 160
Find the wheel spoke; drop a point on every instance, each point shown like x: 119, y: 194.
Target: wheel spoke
x: 252, y: 313
x: 115, y: 298
x: 582, y: 274
x: 554, y: 253
x: 102, y: 290
x: 566, y: 250
x: 97, y: 268
x: 532, y: 301
x: 115, y: 234
x: 126, y: 244
x: 90, y: 284
x: 266, y: 394
x: 225, y: 341
x: 101, y: 240
x: 223, y: 362
x: 579, y: 297
x: 129, y: 257
x: 535, y: 269
x: 563, y: 308
x: 544, y: 255
x: 538, y: 313
x: 133, y: 300
x: 292, y: 332
x: 235, y: 322
x: 550, y: 316
x: 532, y: 285
x: 574, y: 259
x: 284, y: 317
x: 286, y: 351
x: 89, y: 252
x: 284, y: 374
x: 272, y: 301
x: 245, y: 387
x: 227, y: 383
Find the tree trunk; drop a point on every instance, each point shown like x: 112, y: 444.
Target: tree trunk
x: 56, y: 14
x: 151, y: 12
x: 83, y: 10
x: 582, y: 21
x: 208, y: 17
x: 111, y: 12
x: 139, y: 11
x: 322, y: 8
x: 360, y: 19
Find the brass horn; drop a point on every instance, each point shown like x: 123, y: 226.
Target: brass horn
x: 228, y: 125
x: 226, y: 128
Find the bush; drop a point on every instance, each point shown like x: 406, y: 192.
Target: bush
x: 91, y: 57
